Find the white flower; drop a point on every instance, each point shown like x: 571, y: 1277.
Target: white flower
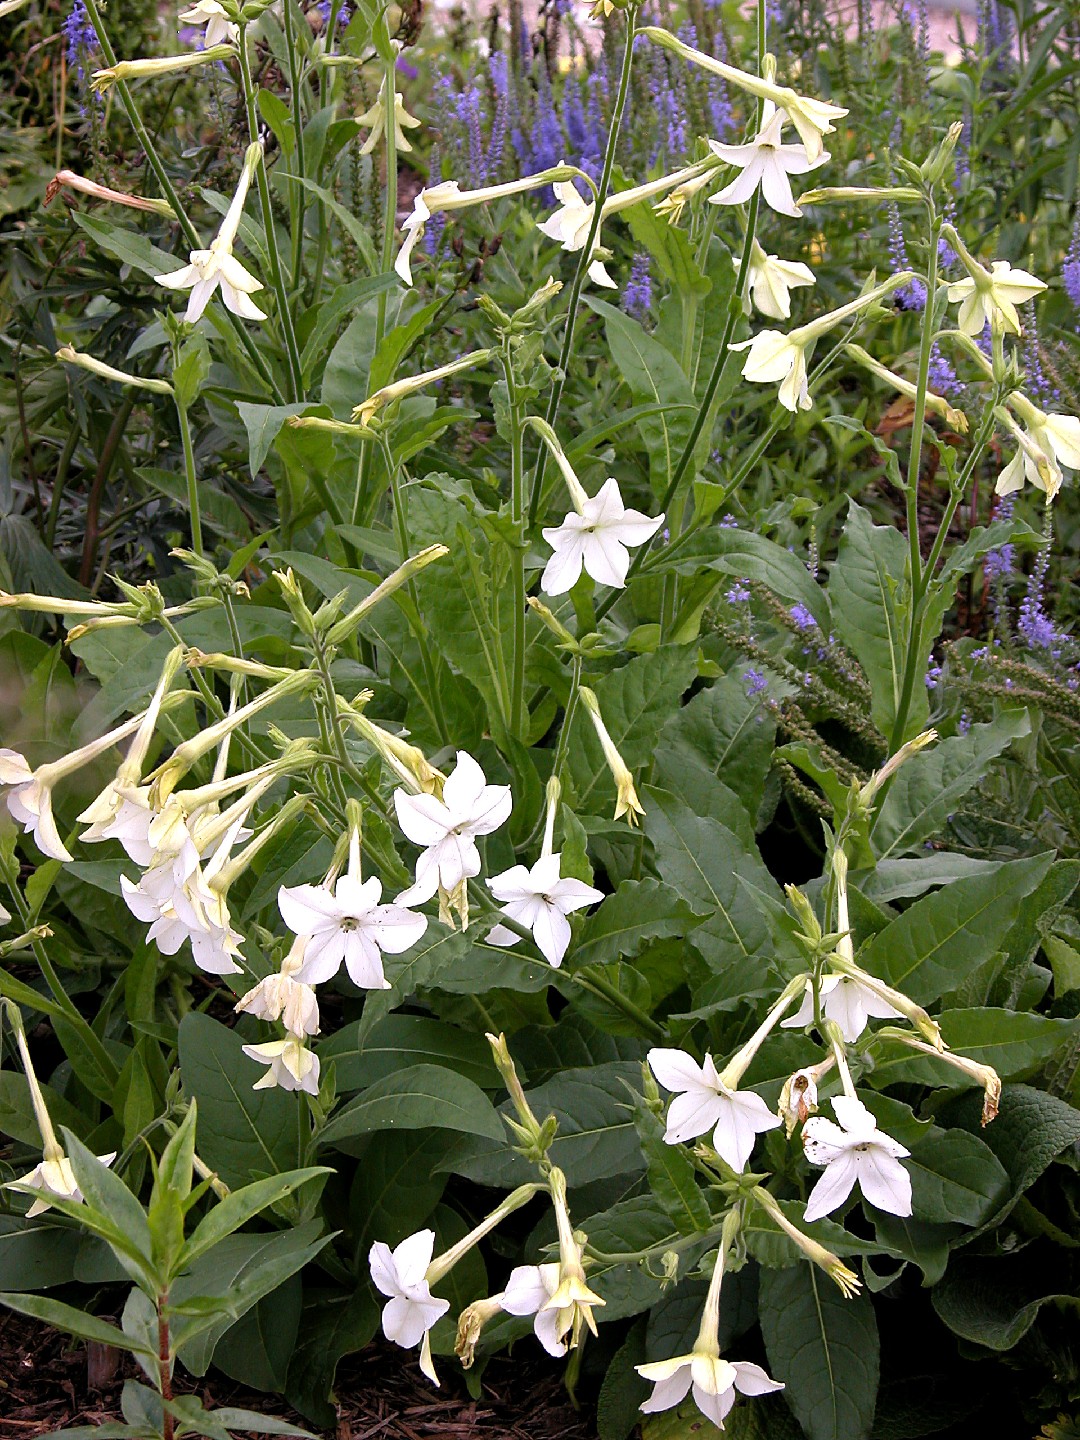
x: 527, y: 1292
x: 376, y: 118
x: 447, y: 828
x: 208, y: 269
x: 346, y: 923
x: 995, y: 298
x: 173, y: 899
x: 570, y: 224
x: 412, y: 1309
x: 766, y: 162
x: 1047, y: 443
x: 714, y: 1381
x: 219, y: 28
x: 55, y: 1177
x: 847, y: 1002
x: 540, y: 899
x: 596, y: 538
x: 703, y: 1102
x: 798, y: 1099
x: 122, y: 812
x: 770, y: 280
x: 205, y: 271
x: 29, y: 803
x: 857, y: 1153
x: 774, y: 356
x: 292, y: 1065
x: 282, y: 997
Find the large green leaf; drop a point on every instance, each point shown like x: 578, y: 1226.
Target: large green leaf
x: 243, y: 1133
x: 333, y: 1323
x: 419, y: 1097
x: 926, y: 788
x: 824, y: 1348
x: 638, y: 912
x: 933, y: 945
x: 400, y: 1040
x: 864, y: 586
x: 992, y: 1303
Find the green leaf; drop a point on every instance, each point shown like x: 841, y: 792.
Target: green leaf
x: 955, y: 1178
x: 419, y: 1097
x: 333, y: 1324
x: 824, y: 1348
x: 399, y: 1040
x: 926, y: 788
x: 653, y: 376
x: 240, y: 1206
x: 623, y: 1389
x: 932, y: 946
x: 1032, y: 1128
x: 262, y: 423
x: 638, y: 911
x: 672, y: 1177
x: 256, y: 1349
x: 242, y: 1132
x: 1014, y: 1042
x: 127, y: 246
x: 747, y: 555
x: 992, y: 1304
x: 74, y: 1322
x: 36, y: 1254
x: 863, y: 592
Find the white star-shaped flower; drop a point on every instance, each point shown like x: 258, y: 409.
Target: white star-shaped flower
x: 766, y: 162
x: 122, y: 812
x: 847, y: 1002
x: 205, y: 272
x: 411, y: 1310
x: 999, y: 298
x: 29, y: 803
x: 570, y: 224
x: 771, y: 279
x: 55, y: 1177
x: 596, y: 539
x: 774, y: 357
x: 855, y: 1152
x: 375, y: 117
x: 540, y: 899
x: 714, y: 1382
x: 345, y: 923
x: 220, y: 30
x: 282, y: 997
x: 292, y: 1065
x: 448, y: 828
x: 527, y: 1292
x: 703, y: 1102
x: 1047, y: 443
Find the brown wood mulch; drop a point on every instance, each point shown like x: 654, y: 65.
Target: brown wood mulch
x: 46, y: 1384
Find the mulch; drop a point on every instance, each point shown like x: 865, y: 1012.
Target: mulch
x: 48, y: 1381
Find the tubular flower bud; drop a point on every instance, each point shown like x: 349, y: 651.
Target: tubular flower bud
x: 369, y: 408
x: 833, y: 1266
x: 626, y: 802
x: 101, y: 80
x: 572, y: 1301
x: 935, y: 403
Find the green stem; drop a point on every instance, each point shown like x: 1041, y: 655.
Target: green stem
x: 585, y: 257
x: 191, y: 235
x: 194, y: 508
x: 390, y: 211
x: 63, y: 465
x: 517, y: 560
x: 600, y: 985
x: 277, y: 277
x: 299, y: 191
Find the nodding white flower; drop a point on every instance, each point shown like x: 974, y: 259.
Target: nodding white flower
x: 992, y: 296
x: 344, y: 923
x: 1046, y: 444
x: 292, y: 1065
x: 570, y: 224
x: 845, y: 1000
x: 55, y: 1177
x: 448, y: 829
x: 571, y: 1302
x: 208, y: 269
x: 595, y: 537
x: 855, y: 1152
x: 124, y: 813
x: 283, y: 997
x: 375, y: 116
x: 219, y: 28
x: 766, y: 162
x: 540, y: 899
x: 777, y: 357
x: 712, y: 1379
x: 771, y: 279
x: 527, y: 1292
x: 798, y: 1098
x: 703, y: 1102
x: 411, y: 1310
x: 448, y: 195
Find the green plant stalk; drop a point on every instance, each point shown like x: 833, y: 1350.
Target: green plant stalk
x: 277, y: 277
x: 585, y: 258
x: 517, y: 559
x: 194, y: 508
x: 63, y: 467
x: 165, y: 1365
x: 299, y: 191
x: 600, y: 985
x: 191, y: 235
x: 390, y: 210
x: 432, y: 702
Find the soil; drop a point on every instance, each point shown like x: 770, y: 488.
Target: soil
x: 48, y: 1381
